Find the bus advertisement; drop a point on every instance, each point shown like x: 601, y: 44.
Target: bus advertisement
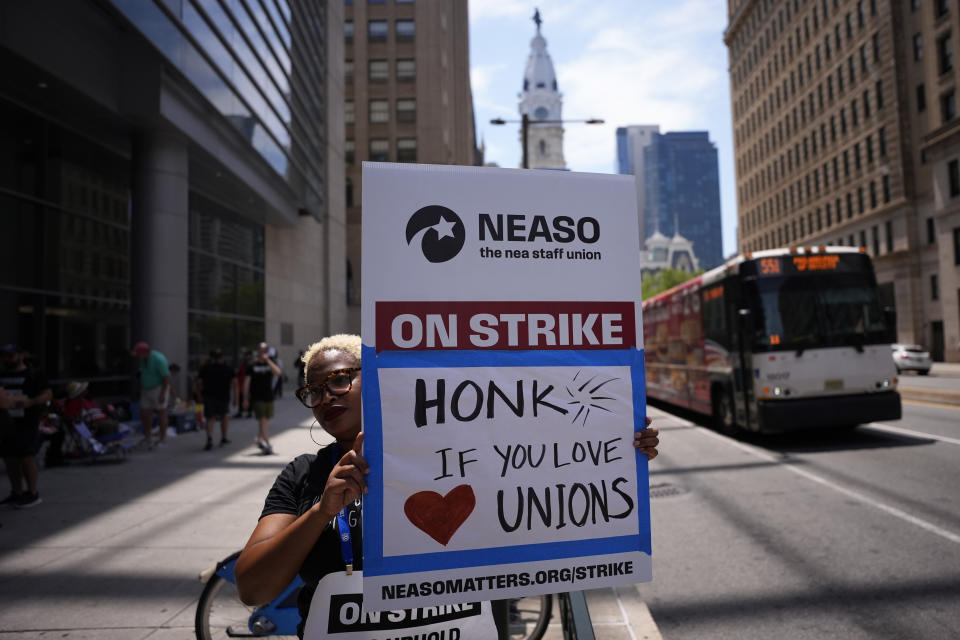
x: 775, y: 341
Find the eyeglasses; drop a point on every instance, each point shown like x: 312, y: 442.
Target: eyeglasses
x: 337, y: 383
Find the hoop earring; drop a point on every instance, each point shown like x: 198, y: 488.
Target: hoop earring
x: 311, y: 433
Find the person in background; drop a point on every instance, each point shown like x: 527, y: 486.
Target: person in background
x: 154, y: 387
x: 79, y: 408
x: 25, y: 392
x: 239, y: 393
x: 173, y: 397
x: 277, y: 379
x: 258, y: 391
x: 213, y: 386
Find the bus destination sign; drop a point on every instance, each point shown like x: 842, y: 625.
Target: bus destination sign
x: 798, y: 264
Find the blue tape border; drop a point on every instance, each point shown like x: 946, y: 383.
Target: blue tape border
x: 374, y: 562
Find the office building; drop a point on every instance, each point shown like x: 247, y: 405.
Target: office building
x: 682, y: 192
x: 631, y: 141
x: 846, y: 133
x: 408, y: 97
x: 172, y: 171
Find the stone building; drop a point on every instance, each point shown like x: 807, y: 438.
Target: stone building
x: 408, y: 97
x: 846, y: 133
x: 541, y: 103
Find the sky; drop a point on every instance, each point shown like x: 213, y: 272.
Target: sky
x: 626, y: 61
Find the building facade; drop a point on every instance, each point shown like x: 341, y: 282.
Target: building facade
x: 682, y: 191
x: 172, y: 171
x: 408, y: 97
x: 846, y: 133
x: 631, y: 141
x: 540, y: 103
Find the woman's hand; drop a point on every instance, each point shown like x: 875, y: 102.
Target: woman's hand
x: 347, y: 480
x: 646, y: 441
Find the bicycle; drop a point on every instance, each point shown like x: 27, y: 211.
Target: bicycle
x: 221, y: 614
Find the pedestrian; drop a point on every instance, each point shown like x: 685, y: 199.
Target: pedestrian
x: 278, y: 379
x: 154, y: 390
x: 25, y: 392
x: 300, y: 367
x: 239, y: 385
x: 299, y: 529
x: 258, y: 392
x: 79, y: 408
x: 213, y: 385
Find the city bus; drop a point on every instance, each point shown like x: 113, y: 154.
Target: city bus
x: 774, y: 341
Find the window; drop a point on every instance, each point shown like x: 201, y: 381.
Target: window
x: 406, y: 149
x: 956, y: 245
x: 863, y: 238
x: 869, y: 146
x: 948, y: 106
x: 882, y: 136
x: 376, y: 31
x: 379, y: 150
x: 878, y: 88
x: 348, y: 71
x: 945, y: 53
x: 917, y: 47
x: 378, y: 71
x: 886, y: 188
x: 348, y: 112
x: 921, y: 98
x: 348, y: 31
x: 873, y: 194
x: 953, y: 175
x: 406, y: 112
x: 934, y: 287
x: 349, y: 194
x: 860, y: 205
x: 379, y: 111
x: 349, y: 154
x: 888, y: 233
x: 931, y: 231
x: 405, y: 31
x: 876, y: 47
x: 406, y: 70
x: 875, y: 236
x: 863, y: 58
x: 940, y: 7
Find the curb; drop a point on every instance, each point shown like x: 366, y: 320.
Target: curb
x: 929, y: 395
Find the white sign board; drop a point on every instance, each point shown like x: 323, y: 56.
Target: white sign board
x: 502, y: 384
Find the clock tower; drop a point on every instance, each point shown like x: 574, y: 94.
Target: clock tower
x: 541, y: 102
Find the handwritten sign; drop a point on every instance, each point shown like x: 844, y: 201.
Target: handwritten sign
x: 502, y: 385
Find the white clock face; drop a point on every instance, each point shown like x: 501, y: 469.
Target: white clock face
x: 541, y: 113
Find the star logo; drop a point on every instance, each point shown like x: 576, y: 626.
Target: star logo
x: 439, y: 232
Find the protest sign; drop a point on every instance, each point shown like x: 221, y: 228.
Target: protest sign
x: 502, y: 384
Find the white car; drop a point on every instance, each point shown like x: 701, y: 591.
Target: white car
x: 911, y: 357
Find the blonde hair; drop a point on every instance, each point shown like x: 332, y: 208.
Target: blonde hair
x: 345, y: 342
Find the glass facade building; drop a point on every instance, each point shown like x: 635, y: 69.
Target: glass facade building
x: 162, y: 162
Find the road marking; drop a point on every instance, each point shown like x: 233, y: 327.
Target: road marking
x: 856, y: 495
x: 879, y: 426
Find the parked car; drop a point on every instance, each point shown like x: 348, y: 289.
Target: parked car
x: 911, y: 357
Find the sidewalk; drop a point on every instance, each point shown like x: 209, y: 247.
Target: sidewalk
x: 115, y: 548
x: 913, y: 387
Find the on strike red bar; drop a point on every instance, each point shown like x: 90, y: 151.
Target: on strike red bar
x: 410, y: 326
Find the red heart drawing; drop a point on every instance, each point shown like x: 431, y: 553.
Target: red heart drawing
x: 440, y: 516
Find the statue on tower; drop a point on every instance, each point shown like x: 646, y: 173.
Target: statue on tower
x: 537, y: 19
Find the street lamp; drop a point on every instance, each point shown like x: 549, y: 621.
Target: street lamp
x: 525, y: 126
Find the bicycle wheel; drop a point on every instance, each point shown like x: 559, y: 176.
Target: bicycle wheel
x: 530, y: 616
x: 221, y: 614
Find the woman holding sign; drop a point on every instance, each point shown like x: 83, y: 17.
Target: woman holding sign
x: 311, y: 522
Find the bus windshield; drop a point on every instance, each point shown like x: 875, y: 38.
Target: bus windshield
x: 816, y: 310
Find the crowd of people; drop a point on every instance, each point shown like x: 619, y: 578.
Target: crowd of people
x: 27, y: 401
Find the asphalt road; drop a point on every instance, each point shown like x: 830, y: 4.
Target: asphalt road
x: 840, y: 535
x: 911, y: 379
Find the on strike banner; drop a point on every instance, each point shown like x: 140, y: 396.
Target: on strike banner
x: 502, y: 384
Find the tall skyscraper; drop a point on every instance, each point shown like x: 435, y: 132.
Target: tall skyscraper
x: 631, y: 141
x: 408, y: 97
x: 541, y: 101
x: 172, y: 174
x: 682, y: 191
x: 845, y: 125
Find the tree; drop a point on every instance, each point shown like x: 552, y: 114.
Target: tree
x: 654, y: 283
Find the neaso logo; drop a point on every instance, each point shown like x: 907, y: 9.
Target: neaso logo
x: 440, y: 230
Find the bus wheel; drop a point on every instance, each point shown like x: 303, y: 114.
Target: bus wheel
x: 724, y: 419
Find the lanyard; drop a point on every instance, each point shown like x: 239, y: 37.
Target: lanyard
x: 343, y: 526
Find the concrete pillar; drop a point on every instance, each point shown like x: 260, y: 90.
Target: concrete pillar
x: 159, y: 243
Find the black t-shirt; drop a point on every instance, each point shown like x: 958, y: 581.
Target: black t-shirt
x: 261, y: 382
x: 26, y: 383
x: 299, y: 487
x: 216, y: 378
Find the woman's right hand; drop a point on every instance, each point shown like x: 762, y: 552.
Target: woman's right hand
x: 347, y: 480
